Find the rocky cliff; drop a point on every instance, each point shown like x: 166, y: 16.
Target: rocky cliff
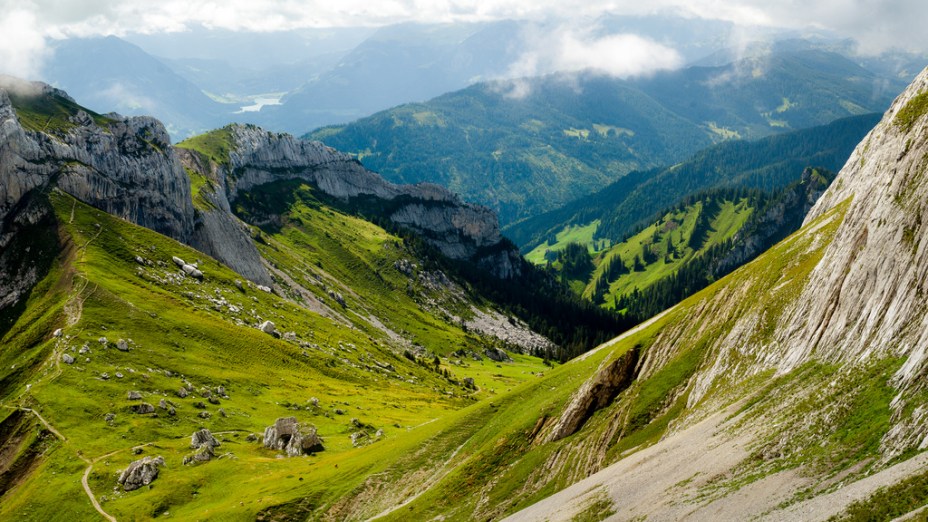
x: 252, y: 157
x: 127, y: 167
x: 796, y: 385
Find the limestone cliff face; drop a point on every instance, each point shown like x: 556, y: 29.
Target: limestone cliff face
x: 848, y: 290
x: 458, y: 230
x: 125, y: 167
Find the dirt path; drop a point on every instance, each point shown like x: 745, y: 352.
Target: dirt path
x: 93, y: 498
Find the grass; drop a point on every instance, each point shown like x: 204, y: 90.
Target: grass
x: 889, y: 503
x: 179, y: 333
x: 913, y: 110
x: 215, y: 145
x: 49, y: 113
x: 582, y: 234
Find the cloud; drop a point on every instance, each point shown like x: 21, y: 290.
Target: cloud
x: 26, y: 25
x: 23, y: 45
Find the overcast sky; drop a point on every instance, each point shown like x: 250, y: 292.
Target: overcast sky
x: 27, y: 25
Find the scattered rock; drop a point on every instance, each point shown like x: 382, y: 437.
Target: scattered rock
x: 238, y: 284
x: 360, y: 438
x: 268, y: 328
x: 57, y: 333
x: 139, y: 260
x: 497, y: 355
x: 337, y: 297
x: 192, y: 271
x: 339, y: 411
x: 105, y: 376
x: 286, y: 434
x: 140, y: 473
x: 221, y: 412
x: 314, y: 401
x: 199, y: 405
x: 251, y: 437
x: 204, y: 392
x: 182, y: 393
x: 163, y: 404
x: 221, y: 391
x: 84, y: 350
x: 109, y: 418
x: 122, y: 345
x: 203, y: 438
x: 119, y: 375
x: 264, y: 288
x: 137, y: 450
x: 142, y: 408
x: 67, y: 359
x: 204, y: 415
x: 213, y: 400
x: 178, y: 261
x: 290, y: 336
x: 171, y: 411
x: 103, y: 341
x: 135, y: 396
x: 469, y: 382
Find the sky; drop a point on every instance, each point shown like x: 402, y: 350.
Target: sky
x: 27, y: 26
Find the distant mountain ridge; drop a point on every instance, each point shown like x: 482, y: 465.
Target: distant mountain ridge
x: 570, y: 137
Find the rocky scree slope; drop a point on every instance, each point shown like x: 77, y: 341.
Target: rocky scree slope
x: 814, y: 384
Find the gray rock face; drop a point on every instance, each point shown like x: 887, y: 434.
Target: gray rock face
x: 459, y: 230
x: 140, y: 473
x: 287, y: 435
x: 595, y: 394
x: 204, y: 443
x: 127, y: 168
x: 495, y: 354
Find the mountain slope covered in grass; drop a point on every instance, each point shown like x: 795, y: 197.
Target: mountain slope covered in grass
x: 767, y: 164
x: 567, y: 137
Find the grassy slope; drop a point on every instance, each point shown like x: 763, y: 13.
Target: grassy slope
x: 175, y: 327
x: 672, y: 232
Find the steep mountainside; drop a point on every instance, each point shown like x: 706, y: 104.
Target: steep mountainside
x: 525, y: 147
x: 791, y: 389
x: 768, y: 164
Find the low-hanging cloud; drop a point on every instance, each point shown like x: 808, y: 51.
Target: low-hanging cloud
x: 571, y: 50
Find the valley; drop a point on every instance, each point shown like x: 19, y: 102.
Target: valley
x: 509, y: 263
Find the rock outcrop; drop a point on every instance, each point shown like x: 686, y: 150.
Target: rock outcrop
x: 140, y: 473
x: 458, y: 230
x: 287, y: 435
x: 595, y: 394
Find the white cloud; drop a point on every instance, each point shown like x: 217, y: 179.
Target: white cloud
x: 27, y: 24
x: 23, y: 45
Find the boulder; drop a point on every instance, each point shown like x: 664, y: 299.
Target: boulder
x: 192, y: 271
x: 57, y: 333
x: 67, y: 359
x: 288, y: 435
x: 142, y: 408
x: 203, y: 438
x: 140, y: 473
x: 122, y: 345
x: 178, y: 261
x: 134, y: 395
x: 182, y: 393
x: 495, y: 354
x: 268, y: 327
